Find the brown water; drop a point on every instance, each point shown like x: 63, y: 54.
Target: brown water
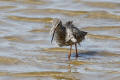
x: 27, y: 54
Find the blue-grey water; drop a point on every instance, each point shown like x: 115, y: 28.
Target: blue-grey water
x: 27, y: 54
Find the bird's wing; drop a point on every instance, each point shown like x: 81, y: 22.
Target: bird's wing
x: 78, y: 34
x: 69, y: 35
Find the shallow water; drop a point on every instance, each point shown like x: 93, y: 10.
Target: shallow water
x: 27, y: 54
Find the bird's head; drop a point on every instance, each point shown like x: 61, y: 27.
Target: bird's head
x: 55, y: 24
x: 69, y: 22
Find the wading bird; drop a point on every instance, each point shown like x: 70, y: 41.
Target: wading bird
x: 66, y: 34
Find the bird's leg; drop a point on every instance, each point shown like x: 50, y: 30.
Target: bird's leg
x: 70, y: 52
x: 76, y: 50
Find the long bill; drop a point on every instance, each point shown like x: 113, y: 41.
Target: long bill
x: 53, y: 36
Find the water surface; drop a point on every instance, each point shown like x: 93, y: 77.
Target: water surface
x: 27, y: 54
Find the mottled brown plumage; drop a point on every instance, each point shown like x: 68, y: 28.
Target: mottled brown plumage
x: 67, y: 34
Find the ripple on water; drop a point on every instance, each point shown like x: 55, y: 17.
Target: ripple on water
x: 8, y: 0
x: 88, y: 14
x: 103, y: 4
x: 103, y: 37
x: 39, y: 30
x: 37, y: 2
x: 7, y: 7
x: 57, y: 75
x: 103, y: 28
x: 102, y: 15
x: 9, y: 61
x: 51, y: 11
x: 57, y: 49
x: 28, y: 19
x: 22, y: 39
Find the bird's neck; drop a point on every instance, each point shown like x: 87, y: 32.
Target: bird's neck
x: 59, y: 28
